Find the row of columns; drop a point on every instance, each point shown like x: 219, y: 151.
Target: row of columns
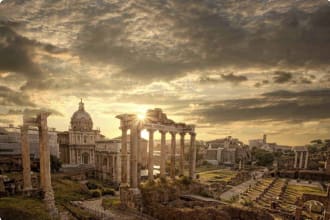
x: 301, y: 155
x: 134, y: 151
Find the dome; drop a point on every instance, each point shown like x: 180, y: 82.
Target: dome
x: 81, y: 120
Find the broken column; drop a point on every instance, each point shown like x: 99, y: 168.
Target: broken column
x: 27, y: 185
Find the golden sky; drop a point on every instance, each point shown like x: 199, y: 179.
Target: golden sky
x: 239, y: 68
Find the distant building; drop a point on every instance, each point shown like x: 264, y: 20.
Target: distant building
x: 10, y: 141
x: 77, y: 145
x: 262, y: 144
x: 83, y: 145
x: 227, y: 151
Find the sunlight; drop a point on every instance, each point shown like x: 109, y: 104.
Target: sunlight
x: 144, y: 134
x: 141, y: 116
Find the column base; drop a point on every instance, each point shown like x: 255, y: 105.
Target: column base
x: 50, y: 204
x: 28, y: 192
x: 131, y: 198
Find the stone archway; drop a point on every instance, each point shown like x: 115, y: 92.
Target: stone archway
x: 85, y: 158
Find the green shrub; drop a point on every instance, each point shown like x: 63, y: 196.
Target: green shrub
x: 185, y: 180
x: 108, y: 191
x: 92, y: 185
x: 96, y: 193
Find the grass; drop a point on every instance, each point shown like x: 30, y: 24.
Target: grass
x: 22, y: 208
x: 68, y: 190
x: 216, y: 175
x: 111, y: 202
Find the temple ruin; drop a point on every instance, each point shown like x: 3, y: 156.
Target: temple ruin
x: 45, y: 173
x: 155, y: 120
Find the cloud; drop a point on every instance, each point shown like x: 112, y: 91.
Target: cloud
x: 282, y: 77
x: 233, y: 78
x: 9, y: 97
x: 273, y: 106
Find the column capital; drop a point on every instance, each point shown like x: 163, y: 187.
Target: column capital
x: 192, y: 134
x: 124, y: 128
x: 162, y: 131
x: 173, y: 133
x: 151, y: 130
x: 182, y: 134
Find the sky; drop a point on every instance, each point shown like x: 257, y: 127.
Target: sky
x: 232, y: 67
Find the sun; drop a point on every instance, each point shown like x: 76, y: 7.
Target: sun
x: 141, y: 116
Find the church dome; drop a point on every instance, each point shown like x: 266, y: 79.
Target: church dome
x: 81, y: 120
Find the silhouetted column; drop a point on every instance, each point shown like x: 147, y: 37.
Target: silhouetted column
x: 45, y: 172
x: 27, y: 185
x: 44, y: 153
x: 181, y: 164
x: 173, y: 146
x: 162, y: 154
x: 133, y: 159
x: 151, y: 155
x: 192, y: 161
x: 124, y: 181
x: 295, y: 159
x: 306, y: 159
x: 301, y: 160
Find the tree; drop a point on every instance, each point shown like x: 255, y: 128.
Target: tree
x: 55, y: 163
x: 263, y: 157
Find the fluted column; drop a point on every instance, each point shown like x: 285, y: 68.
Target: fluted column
x: 181, y: 164
x: 27, y: 185
x: 124, y: 181
x: 151, y: 155
x: 301, y: 160
x: 192, y: 162
x: 163, y: 154
x: 306, y: 159
x: 295, y: 159
x: 133, y: 159
x: 173, y: 146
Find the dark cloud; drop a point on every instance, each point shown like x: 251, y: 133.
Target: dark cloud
x: 9, y: 97
x: 282, y: 77
x: 233, y: 78
x: 29, y: 111
x: 274, y: 106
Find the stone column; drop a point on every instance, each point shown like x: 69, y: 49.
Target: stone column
x: 181, y: 164
x: 151, y: 155
x: 27, y: 185
x: 295, y: 159
x: 45, y: 168
x: 138, y: 154
x: 124, y: 181
x: 192, y: 165
x: 301, y: 160
x: 163, y: 154
x: 173, y: 146
x: 306, y: 159
x: 133, y: 159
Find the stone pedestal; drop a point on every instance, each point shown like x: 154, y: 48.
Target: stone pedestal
x: 131, y: 198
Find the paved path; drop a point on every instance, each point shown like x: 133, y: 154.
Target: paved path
x: 236, y: 190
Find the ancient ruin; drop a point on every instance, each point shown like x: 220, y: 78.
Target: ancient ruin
x: 325, y: 200
x: 45, y: 173
x: 155, y: 120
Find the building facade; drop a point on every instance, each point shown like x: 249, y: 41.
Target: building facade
x: 77, y: 145
x: 227, y: 151
x: 10, y: 141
